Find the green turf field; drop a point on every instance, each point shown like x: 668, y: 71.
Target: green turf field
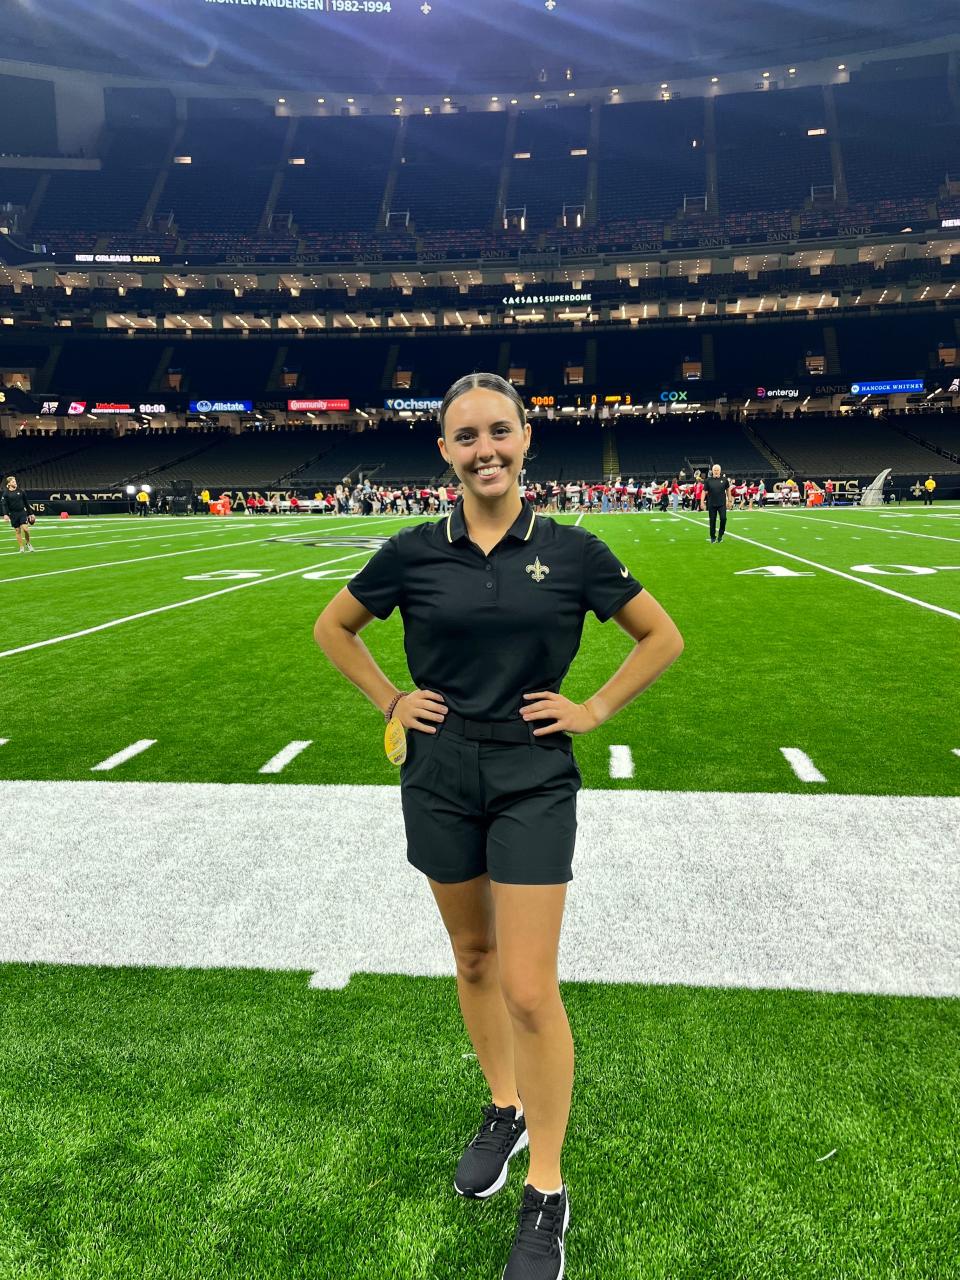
x: 857, y: 678
x: 766, y: 1020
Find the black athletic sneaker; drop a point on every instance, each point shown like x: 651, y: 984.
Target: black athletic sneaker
x: 484, y: 1165
x: 537, y: 1252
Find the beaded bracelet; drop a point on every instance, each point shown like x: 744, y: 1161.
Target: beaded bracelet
x: 388, y: 714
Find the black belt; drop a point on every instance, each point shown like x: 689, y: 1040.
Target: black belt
x: 501, y: 731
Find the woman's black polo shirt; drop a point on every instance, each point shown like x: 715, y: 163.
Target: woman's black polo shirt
x: 484, y: 630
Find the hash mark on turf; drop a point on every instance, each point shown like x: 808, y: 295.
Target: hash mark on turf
x: 283, y: 758
x: 621, y: 762
x: 802, y: 765
x: 127, y: 753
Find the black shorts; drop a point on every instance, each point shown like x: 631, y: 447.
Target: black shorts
x: 19, y: 521
x: 473, y: 806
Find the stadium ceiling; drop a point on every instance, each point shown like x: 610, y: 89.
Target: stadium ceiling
x: 425, y: 46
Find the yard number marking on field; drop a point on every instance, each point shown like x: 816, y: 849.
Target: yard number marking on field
x: 814, y: 564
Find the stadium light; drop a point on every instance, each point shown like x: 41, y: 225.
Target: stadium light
x: 714, y: 79
x: 842, y: 66
x: 131, y: 489
x: 791, y: 71
x: 147, y: 488
x: 537, y: 97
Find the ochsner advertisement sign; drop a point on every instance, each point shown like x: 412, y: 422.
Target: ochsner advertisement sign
x: 427, y: 405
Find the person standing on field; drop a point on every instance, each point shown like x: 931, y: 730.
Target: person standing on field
x: 493, y: 599
x: 716, y: 498
x: 18, y: 512
x: 929, y: 485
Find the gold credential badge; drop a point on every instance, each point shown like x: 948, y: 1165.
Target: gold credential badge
x: 537, y: 570
x: 395, y: 742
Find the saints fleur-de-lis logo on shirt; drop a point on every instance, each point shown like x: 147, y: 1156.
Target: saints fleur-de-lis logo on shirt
x: 537, y: 570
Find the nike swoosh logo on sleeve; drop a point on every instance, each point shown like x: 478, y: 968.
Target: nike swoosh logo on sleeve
x: 624, y: 573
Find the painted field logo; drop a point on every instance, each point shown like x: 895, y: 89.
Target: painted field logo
x: 369, y: 542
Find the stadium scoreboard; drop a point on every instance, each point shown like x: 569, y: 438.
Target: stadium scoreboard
x: 592, y: 400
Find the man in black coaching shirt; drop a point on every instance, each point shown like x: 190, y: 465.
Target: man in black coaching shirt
x: 15, y: 508
x: 716, y: 497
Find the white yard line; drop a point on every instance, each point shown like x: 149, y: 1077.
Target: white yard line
x: 579, y: 518
x: 162, y: 555
x: 621, y: 762
x: 875, y: 528
x: 802, y: 765
x: 110, y: 542
x: 875, y: 586
x: 179, y: 604
x: 121, y: 757
x: 290, y: 752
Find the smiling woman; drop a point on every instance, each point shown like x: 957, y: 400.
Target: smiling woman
x: 493, y: 600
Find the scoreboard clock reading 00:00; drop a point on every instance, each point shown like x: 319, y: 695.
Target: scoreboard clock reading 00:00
x: 579, y: 402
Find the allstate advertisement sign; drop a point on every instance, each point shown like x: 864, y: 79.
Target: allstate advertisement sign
x: 221, y: 406
x: 886, y: 388
x: 427, y: 405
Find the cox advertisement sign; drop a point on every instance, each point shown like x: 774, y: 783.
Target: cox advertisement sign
x: 320, y: 406
x: 674, y: 397
x: 886, y: 388
x: 221, y: 406
x: 427, y: 405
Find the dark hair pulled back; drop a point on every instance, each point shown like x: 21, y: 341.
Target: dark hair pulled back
x: 485, y: 382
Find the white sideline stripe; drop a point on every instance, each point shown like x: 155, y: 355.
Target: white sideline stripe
x: 179, y: 604
x: 621, y: 762
x: 864, y: 582
x: 127, y: 753
x: 955, y: 750
x: 112, y: 564
x: 110, y: 542
x: 877, y: 528
x: 579, y: 518
x: 687, y: 903
x: 161, y: 555
x: 802, y: 765
x: 282, y: 758
x: 4, y: 741
x: 187, y: 533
